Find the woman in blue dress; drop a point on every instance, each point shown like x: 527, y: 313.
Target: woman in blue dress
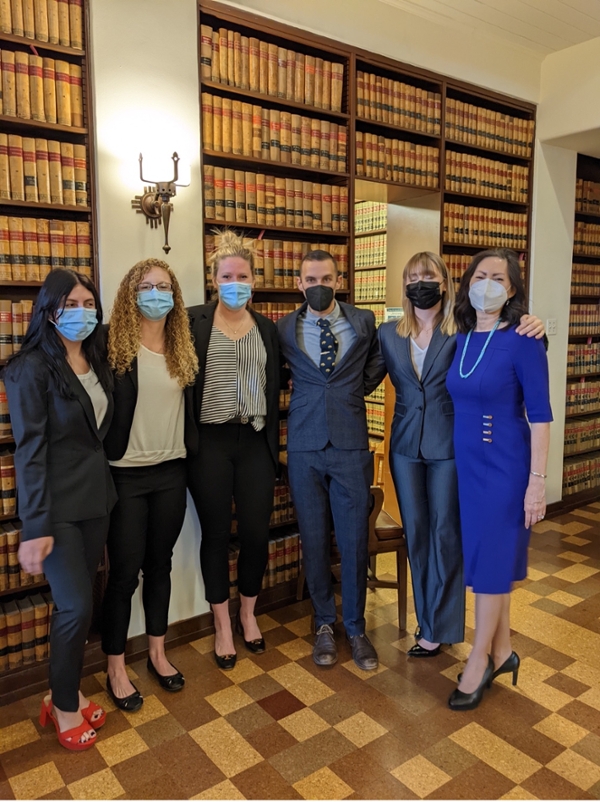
x: 499, y: 384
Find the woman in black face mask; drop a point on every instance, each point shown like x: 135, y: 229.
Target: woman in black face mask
x: 418, y: 351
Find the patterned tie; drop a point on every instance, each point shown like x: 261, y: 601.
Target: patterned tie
x: 329, y: 347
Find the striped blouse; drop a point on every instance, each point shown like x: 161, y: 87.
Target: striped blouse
x: 235, y: 379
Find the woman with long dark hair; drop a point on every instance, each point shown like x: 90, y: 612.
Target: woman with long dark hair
x: 499, y: 384
x: 59, y: 393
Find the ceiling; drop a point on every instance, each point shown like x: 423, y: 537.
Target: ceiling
x: 540, y: 26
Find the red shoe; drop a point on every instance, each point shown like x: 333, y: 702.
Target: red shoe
x: 70, y: 738
x: 89, y: 711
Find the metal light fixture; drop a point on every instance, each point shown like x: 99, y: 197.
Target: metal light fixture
x: 155, y: 203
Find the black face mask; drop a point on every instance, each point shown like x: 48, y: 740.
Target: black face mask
x: 424, y: 294
x: 319, y: 297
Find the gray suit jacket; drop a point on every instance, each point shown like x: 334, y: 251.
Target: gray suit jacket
x: 331, y: 409
x: 423, y: 423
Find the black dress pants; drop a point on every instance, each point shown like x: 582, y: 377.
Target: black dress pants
x: 70, y: 569
x: 144, y: 527
x: 235, y: 461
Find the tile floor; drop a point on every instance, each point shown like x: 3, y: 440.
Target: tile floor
x: 278, y: 727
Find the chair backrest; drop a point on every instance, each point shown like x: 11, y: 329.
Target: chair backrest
x: 376, y: 507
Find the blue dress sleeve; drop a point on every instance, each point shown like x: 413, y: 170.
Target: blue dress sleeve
x: 531, y: 366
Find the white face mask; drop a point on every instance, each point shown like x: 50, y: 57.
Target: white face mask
x: 487, y: 295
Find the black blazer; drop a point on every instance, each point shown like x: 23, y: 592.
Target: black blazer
x: 62, y: 471
x: 201, y: 321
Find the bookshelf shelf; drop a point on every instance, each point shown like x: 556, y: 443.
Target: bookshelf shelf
x: 476, y: 248
x: 51, y: 207
x: 407, y: 191
x: 482, y: 200
x: 593, y: 259
x: 359, y: 301
x: 288, y: 291
x: 7, y: 440
x: 571, y: 415
x: 22, y: 40
x: 583, y: 338
x: 577, y: 376
x: 406, y: 134
x: 272, y: 101
x: 374, y: 401
x: 25, y: 589
x: 594, y: 215
x: 21, y: 283
x: 369, y: 267
x: 270, y: 166
x: 11, y: 122
x: 370, y: 233
x: 584, y: 451
x: 587, y: 297
x: 9, y: 517
x: 257, y: 227
x: 454, y: 144
x: 376, y: 434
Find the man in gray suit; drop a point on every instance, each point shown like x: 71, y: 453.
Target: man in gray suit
x: 333, y: 355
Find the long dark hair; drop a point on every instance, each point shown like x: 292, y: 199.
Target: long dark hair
x: 42, y: 336
x: 512, y: 312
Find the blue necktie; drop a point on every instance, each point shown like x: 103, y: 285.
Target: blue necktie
x: 329, y: 347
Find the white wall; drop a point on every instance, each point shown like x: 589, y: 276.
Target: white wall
x: 145, y: 72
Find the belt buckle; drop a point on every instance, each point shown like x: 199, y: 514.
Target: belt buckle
x: 244, y: 419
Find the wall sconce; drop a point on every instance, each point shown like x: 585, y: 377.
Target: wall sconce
x: 155, y: 203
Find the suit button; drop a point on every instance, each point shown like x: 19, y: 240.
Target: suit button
x: 420, y: 389
x: 328, y: 386
x: 418, y: 407
x: 98, y: 448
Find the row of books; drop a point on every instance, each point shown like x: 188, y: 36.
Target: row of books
x: 31, y: 247
x: 284, y: 399
x: 377, y: 309
x: 8, y: 483
x: 12, y: 576
x: 394, y: 160
x: 378, y: 394
x: 587, y: 196
x: 42, y: 171
x: 285, y: 560
x: 583, y: 358
x: 475, y: 125
x: 581, y: 473
x: 582, y: 435
x: 457, y: 264
x: 584, y: 319
x: 42, y: 89
x: 397, y: 103
x: 243, y: 197
x: 476, y: 225
x: 486, y: 177
x: 282, y: 435
x: 369, y: 285
x: 230, y: 126
x: 15, y: 317
x: 59, y: 22
x: 587, y: 239
x: 375, y: 418
x: 230, y: 58
x: 369, y: 216
x: 370, y: 251
x: 274, y: 311
x: 25, y: 630
x: 585, y: 279
x: 582, y: 396
x: 5, y: 424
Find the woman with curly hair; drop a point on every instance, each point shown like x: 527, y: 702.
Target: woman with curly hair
x: 237, y: 406
x: 151, y: 352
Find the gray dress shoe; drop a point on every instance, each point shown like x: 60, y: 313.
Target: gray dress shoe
x: 324, y: 649
x: 363, y: 652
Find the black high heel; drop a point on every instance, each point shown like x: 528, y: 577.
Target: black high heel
x: 256, y: 646
x: 469, y: 701
x: 510, y: 665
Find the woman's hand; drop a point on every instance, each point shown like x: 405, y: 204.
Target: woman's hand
x: 535, y: 501
x: 531, y: 326
x: 32, y: 553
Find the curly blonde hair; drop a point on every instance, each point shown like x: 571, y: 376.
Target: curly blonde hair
x: 125, y: 330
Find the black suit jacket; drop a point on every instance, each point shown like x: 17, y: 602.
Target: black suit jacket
x: 62, y: 471
x: 201, y: 321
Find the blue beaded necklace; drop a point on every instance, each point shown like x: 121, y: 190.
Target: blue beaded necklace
x: 480, y: 357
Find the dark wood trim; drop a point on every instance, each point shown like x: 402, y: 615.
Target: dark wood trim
x: 572, y: 501
x: 477, y: 248
x: 456, y: 145
x: 275, y: 168
x: 259, y: 227
x: 23, y: 590
x: 483, y: 201
x: 22, y: 40
x: 9, y: 121
x: 433, y: 140
x: 51, y: 207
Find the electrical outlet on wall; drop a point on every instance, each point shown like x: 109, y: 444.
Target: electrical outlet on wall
x: 551, y: 325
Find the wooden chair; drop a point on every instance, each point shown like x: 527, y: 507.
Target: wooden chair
x: 385, y: 536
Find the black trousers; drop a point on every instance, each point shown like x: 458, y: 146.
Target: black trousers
x: 144, y: 527
x: 70, y: 569
x: 233, y: 460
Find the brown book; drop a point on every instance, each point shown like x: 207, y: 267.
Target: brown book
x: 296, y: 138
x: 7, y: 481
x: 28, y: 19
x: 84, y: 249
x: 230, y: 58
x: 76, y: 23
x: 309, y: 80
x: 4, y: 168
x: 53, y: 24
x: 49, y: 80
x: 217, y: 112
x: 27, y: 630
x: 299, y: 79
x: 240, y: 196
x: 207, y: 121
x: 227, y: 123
x: 259, y: 262
x: 337, y: 85
x: 57, y: 244
x: 297, y: 260
x: 80, y: 175
x: 16, y: 13
x: 70, y: 240
x: 9, y: 84
x: 274, y: 135
x: 64, y: 34
x: 265, y: 134
x: 290, y: 73
x: 214, y: 66
x: 288, y: 265
x: 335, y: 208
x: 325, y: 146
x: 280, y: 557
x: 3, y: 641
x: 263, y: 68
x: 5, y: 265
x: 40, y: 619
x: 63, y: 92
x: 22, y: 85
x: 5, y: 427
x: 273, y: 68
x: 281, y: 72
x: 50, y: 602
x: 67, y: 164
x: 250, y: 192
x: 237, y: 58
x: 245, y: 77
x: 289, y: 203
x: 236, y: 127
x: 43, y: 244
x: 326, y: 207
x: 5, y: 17
x: 223, y: 55
x: 272, y: 564
x: 342, y: 149
x: 305, y: 141
x: 13, y: 632
x: 254, y: 64
x: 307, y: 198
x: 285, y: 137
x: 315, y: 143
x: 256, y: 132
x: 76, y: 82
x: 298, y: 204
x: 36, y: 88
x: 326, y: 96
x: 270, y: 200
x: 229, y: 195
x: 269, y: 262
x: 17, y: 250
x: 30, y: 246
x: 206, y: 33
x: 4, y: 575
x: 29, y: 170
x: 317, y: 207
x: 278, y: 261
x: 261, y: 200
x: 279, y: 202
x: 318, y: 98
x: 246, y: 113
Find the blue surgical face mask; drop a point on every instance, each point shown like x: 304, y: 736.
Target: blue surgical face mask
x: 76, y: 323
x: 154, y: 305
x: 235, y: 294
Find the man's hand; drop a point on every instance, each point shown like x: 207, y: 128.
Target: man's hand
x: 531, y: 326
x: 32, y: 554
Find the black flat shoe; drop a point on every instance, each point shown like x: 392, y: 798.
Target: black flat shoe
x: 469, y: 701
x: 256, y: 646
x: 172, y: 683
x: 226, y: 661
x: 129, y: 703
x: 510, y: 665
x: 421, y: 651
